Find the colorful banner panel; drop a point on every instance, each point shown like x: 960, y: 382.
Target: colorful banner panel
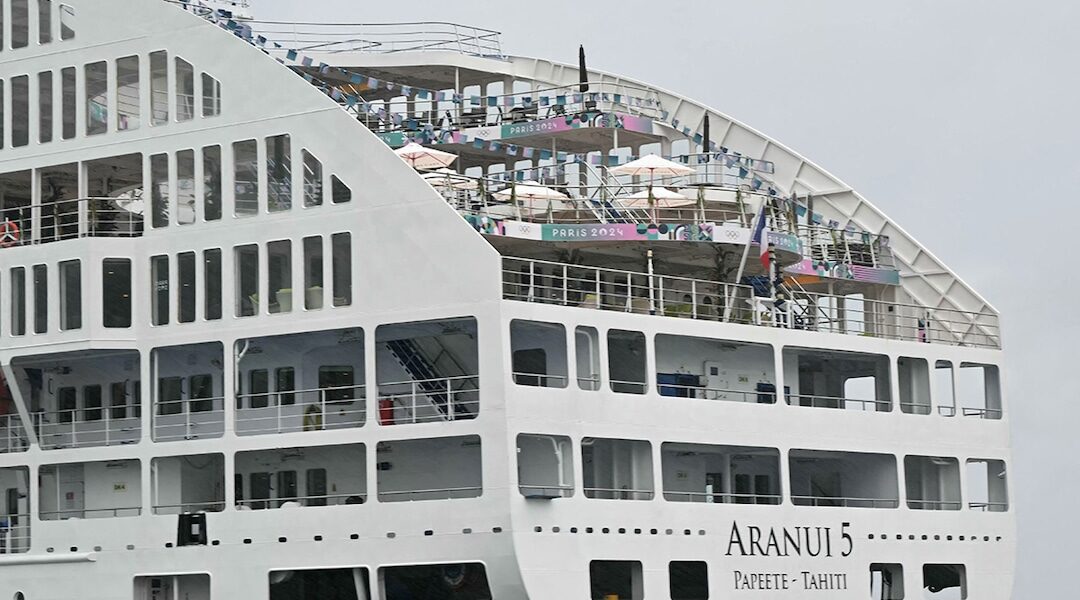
x: 831, y: 269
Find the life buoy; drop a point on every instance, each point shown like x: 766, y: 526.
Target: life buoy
x: 313, y: 418
x: 9, y: 234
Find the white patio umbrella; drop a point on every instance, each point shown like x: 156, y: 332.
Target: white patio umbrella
x: 652, y: 166
x: 422, y: 158
x: 662, y: 198
x: 532, y: 191
x: 447, y: 179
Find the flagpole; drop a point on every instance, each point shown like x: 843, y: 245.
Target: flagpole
x: 742, y: 263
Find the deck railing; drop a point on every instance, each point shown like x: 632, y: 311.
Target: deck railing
x: 187, y: 419
x: 67, y: 220
x: 91, y: 513
x: 289, y: 411
x: 934, y: 504
x: 992, y: 414
x: 845, y: 502
x: 600, y: 493
x: 721, y: 498
x: 12, y: 434
x: 429, y: 401
x: 302, y: 501
x: 450, y: 493
x: 14, y: 533
x: 98, y: 426
x: 189, y: 507
x: 989, y: 506
x: 582, y: 286
x: 380, y: 38
x: 839, y: 403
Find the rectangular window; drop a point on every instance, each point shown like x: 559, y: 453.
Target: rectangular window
x: 246, y: 177
x: 258, y: 388
x: 688, y: 580
x: 118, y: 400
x: 626, y: 361
x: 41, y: 299
x: 279, y: 289
x: 200, y: 393
x: 18, y: 301
x: 44, y: 21
x: 211, y: 96
x: 70, y: 295
x: 20, y: 23
x: 279, y: 173
x: 170, y: 396
x: 212, y: 283
x: 185, y: 187
x: 342, y: 268
x: 339, y: 191
x: 313, y: 273
x: 313, y: 181
x: 66, y: 404
x: 127, y: 93
x: 621, y: 579
x: 159, y: 88
x: 116, y: 292
x: 587, y: 357
x: 185, y: 90
x: 260, y: 491
x: 337, y: 383
x: 285, y: 385
x: 159, y: 190
x: 315, y: 487
x: 185, y: 292
x: 211, y: 183
x: 45, y: 106
x: 67, y: 22
x: 247, y: 280
x: 92, y: 403
x: 20, y: 111
x: 68, y: 104
x: 159, y: 278
x: 97, y: 98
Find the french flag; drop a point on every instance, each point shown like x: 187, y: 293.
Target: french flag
x: 762, y: 239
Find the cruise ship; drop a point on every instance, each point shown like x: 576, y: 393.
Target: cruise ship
x: 383, y: 312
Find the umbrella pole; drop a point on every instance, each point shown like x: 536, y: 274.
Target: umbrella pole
x: 652, y: 283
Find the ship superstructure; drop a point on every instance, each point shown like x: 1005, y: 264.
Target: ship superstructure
x: 364, y: 312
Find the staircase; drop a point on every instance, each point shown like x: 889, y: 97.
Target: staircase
x: 430, y: 378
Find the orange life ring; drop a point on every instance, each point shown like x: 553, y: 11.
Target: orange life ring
x: 9, y: 234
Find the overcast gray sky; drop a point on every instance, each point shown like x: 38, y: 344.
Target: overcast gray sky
x: 958, y: 118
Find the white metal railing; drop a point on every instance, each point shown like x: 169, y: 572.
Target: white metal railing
x: 80, y: 428
x: 934, y: 504
x: 380, y: 38
x: 721, y: 498
x: 641, y: 293
x: 839, y: 402
x: 189, y: 418
x: 540, y: 380
x: 450, y: 493
x: 13, y: 436
x: 915, y: 408
x: 850, y: 248
x: 992, y: 414
x: 91, y: 513
x: 989, y: 506
x: 69, y: 219
x: 845, y: 502
x: 14, y: 533
x: 429, y: 400
x: 618, y: 493
x: 711, y: 393
x: 189, y: 507
x: 347, y: 498
x: 317, y: 409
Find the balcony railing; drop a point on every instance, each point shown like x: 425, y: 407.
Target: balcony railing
x: 582, y: 286
x: 845, y: 502
x: 188, y: 419
x: 91, y: 513
x: 101, y: 426
x: 989, y: 506
x: 302, y: 501
x: 317, y: 409
x: 451, y: 493
x: 429, y: 401
x: 711, y: 393
x: 934, y: 504
x: 992, y: 414
x: 721, y: 498
x: 12, y: 435
x: 68, y: 220
x: 14, y: 533
x: 840, y: 403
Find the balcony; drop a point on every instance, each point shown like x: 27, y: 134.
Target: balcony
x: 72, y: 219
x: 637, y: 292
